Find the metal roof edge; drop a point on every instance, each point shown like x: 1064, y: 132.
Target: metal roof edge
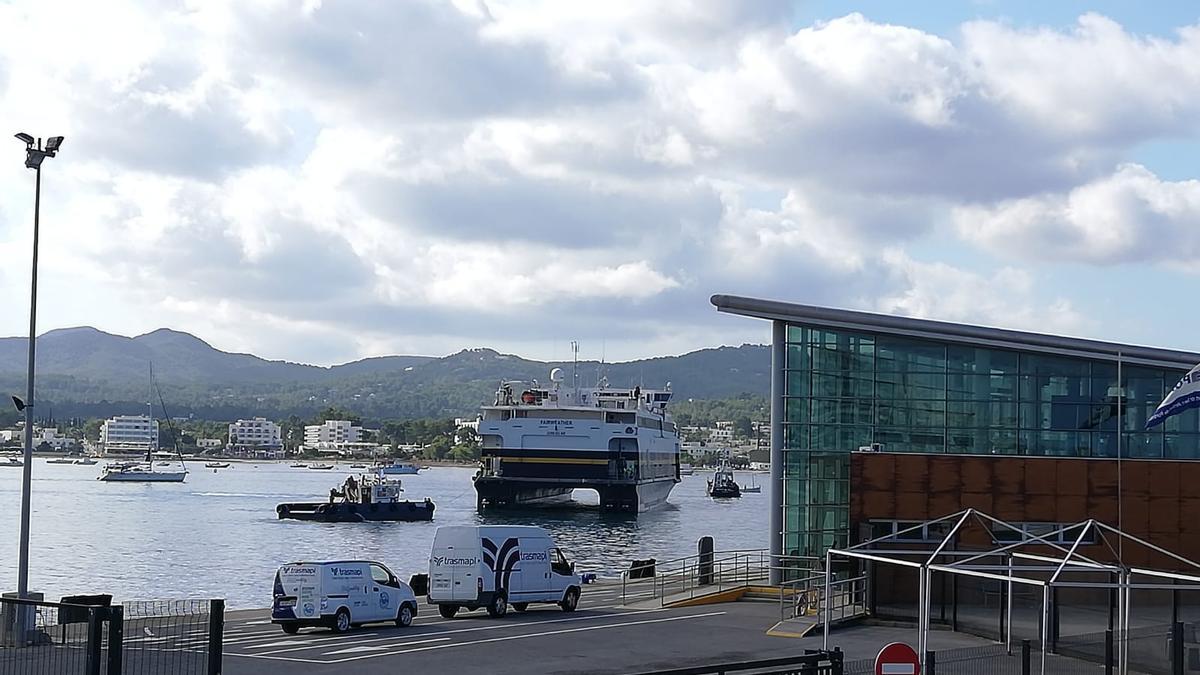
x: 953, y: 332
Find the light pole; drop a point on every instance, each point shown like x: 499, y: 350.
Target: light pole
x: 34, y: 155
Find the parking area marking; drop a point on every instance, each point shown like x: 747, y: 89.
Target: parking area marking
x: 397, y: 645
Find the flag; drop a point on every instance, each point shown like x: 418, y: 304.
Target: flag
x: 1184, y: 396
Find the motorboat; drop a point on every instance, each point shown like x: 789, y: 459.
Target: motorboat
x: 397, y: 468
x: 11, y: 462
x: 723, y: 485
x: 320, y: 467
x: 85, y: 461
x: 358, y: 466
x: 299, y: 465
x: 216, y: 465
x: 369, y: 498
x: 60, y: 460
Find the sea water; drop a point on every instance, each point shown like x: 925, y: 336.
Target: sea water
x: 217, y: 535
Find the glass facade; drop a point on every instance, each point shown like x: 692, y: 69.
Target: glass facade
x: 844, y: 390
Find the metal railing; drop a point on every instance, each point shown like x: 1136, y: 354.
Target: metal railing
x: 805, y: 597
x: 703, y: 574
x: 138, y: 638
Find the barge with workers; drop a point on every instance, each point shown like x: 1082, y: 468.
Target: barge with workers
x: 369, y: 498
x: 538, y: 443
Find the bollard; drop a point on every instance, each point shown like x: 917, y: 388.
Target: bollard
x: 930, y: 663
x: 704, y: 551
x: 216, y: 635
x: 1109, y: 661
x: 1025, y: 657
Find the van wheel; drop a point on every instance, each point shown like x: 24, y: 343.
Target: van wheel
x: 290, y: 628
x: 570, y: 601
x: 404, y: 617
x: 520, y: 606
x: 498, y: 607
x: 447, y: 611
x: 341, y: 621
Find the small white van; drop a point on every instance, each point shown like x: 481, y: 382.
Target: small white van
x: 492, y: 567
x: 339, y: 595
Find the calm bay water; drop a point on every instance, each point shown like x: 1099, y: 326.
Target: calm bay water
x: 216, y: 535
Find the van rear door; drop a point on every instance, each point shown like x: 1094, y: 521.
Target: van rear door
x: 302, y: 582
x: 454, y: 565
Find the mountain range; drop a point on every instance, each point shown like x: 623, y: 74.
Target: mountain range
x: 85, y: 372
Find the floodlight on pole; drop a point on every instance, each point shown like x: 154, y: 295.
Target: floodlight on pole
x: 34, y: 156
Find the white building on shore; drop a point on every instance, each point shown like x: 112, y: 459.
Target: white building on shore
x: 129, y: 434
x: 332, y: 434
x: 258, y: 437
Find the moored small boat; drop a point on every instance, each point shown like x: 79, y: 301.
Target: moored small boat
x: 320, y: 467
x: 216, y: 465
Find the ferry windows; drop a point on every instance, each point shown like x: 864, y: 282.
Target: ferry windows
x: 491, y: 441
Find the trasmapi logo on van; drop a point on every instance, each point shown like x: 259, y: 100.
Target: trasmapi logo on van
x: 299, y: 571
x: 533, y: 555
x: 440, y: 560
x: 346, y: 571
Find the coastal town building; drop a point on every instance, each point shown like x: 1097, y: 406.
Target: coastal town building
x: 128, y: 434
x: 258, y: 437
x: 340, y: 437
x: 879, y: 422
x: 722, y: 433
x: 209, y: 443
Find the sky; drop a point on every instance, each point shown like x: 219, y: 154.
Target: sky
x: 326, y: 181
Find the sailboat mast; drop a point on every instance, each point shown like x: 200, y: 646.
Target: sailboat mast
x: 150, y: 416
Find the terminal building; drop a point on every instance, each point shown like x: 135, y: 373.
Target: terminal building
x: 881, y: 422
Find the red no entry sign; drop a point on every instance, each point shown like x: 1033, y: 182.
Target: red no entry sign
x: 897, y: 659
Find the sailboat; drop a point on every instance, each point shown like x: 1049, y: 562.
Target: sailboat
x: 146, y: 471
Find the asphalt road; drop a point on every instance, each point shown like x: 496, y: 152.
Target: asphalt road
x: 600, y: 637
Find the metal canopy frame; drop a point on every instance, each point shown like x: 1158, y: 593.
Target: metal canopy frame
x: 944, y: 556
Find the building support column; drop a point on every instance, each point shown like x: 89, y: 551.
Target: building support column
x: 778, y: 387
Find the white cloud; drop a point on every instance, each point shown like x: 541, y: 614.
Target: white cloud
x: 327, y: 179
x: 1129, y: 216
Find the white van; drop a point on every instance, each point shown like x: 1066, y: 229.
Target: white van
x: 339, y: 595
x: 491, y: 567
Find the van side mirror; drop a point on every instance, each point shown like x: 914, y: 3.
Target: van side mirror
x: 572, y: 568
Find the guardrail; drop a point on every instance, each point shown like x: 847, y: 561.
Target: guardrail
x: 805, y: 597
x: 702, y: 574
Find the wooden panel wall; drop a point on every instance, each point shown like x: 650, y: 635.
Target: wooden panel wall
x: 1161, y: 498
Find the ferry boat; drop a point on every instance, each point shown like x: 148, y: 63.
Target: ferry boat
x: 539, y: 443
x: 398, y: 468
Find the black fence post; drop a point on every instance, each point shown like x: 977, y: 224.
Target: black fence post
x: 1025, y: 670
x: 930, y: 663
x: 95, y: 636
x: 1177, y: 648
x: 216, y: 635
x: 116, y: 638
x: 1000, y: 608
x: 1054, y: 625
x: 1109, y: 660
x: 954, y: 602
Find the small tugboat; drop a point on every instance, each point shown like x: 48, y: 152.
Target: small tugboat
x: 723, y: 485
x: 368, y: 498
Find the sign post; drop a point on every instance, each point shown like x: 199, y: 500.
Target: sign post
x: 897, y: 659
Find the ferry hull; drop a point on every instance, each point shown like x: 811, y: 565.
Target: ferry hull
x: 324, y: 512
x: 493, y: 492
